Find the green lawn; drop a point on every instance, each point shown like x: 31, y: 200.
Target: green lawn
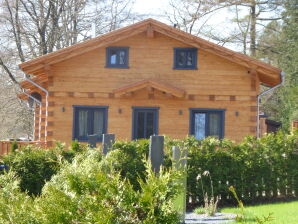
x: 283, y: 213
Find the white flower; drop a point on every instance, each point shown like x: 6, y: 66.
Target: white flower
x: 206, y: 173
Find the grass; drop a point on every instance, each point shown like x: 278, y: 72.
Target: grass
x: 282, y: 213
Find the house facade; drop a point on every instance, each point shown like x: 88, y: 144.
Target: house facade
x: 144, y: 79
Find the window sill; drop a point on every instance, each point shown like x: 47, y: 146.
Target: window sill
x: 123, y: 67
x: 185, y: 68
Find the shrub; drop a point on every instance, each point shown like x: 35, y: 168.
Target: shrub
x: 258, y: 168
x: 83, y: 193
x: 77, y: 147
x: 33, y: 166
x: 127, y: 158
x: 15, y: 206
x: 14, y: 146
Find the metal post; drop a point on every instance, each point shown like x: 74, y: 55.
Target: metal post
x: 156, y: 153
x: 107, y: 141
x: 180, y: 163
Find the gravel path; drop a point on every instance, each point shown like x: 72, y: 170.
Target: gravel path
x: 219, y: 218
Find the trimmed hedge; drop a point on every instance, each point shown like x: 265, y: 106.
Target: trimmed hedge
x: 35, y: 166
x: 260, y: 169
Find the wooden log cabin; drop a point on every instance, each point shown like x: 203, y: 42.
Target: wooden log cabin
x: 144, y: 79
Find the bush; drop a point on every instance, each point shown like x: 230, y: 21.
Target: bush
x: 81, y: 192
x: 33, y: 167
x: 15, y: 206
x: 258, y: 168
x: 14, y: 146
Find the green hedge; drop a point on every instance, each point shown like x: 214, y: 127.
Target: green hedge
x: 35, y: 166
x: 260, y: 169
x: 85, y: 192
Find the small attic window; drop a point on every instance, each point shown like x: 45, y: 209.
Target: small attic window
x: 117, y: 57
x: 185, y: 58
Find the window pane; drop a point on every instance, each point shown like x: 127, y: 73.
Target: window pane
x: 141, y: 125
x: 149, y: 124
x: 113, y: 57
x: 181, y: 58
x: 121, y: 57
x: 98, y: 123
x: 200, y: 123
x: 189, y: 61
x: 214, y: 124
x: 83, y: 123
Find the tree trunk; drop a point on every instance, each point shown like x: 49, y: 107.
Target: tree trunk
x: 253, y: 17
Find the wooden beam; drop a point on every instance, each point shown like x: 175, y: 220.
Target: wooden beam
x: 150, y: 84
x: 169, y: 95
x: 150, y: 89
x: 150, y: 31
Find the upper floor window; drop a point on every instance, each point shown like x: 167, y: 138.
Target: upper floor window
x: 89, y: 120
x: 185, y: 58
x: 117, y: 57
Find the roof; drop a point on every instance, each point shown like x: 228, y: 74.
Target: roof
x: 268, y: 74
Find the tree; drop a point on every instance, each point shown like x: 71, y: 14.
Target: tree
x: 191, y: 15
x: 31, y: 28
x: 251, y: 17
x: 283, y: 105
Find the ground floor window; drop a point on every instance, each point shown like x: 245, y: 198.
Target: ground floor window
x: 145, y: 122
x: 207, y: 122
x: 89, y: 120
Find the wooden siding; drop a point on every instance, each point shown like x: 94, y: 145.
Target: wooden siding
x: 217, y: 83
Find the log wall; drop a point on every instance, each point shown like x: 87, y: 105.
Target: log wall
x: 217, y: 83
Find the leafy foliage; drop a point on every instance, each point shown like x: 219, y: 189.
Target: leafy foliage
x: 15, y: 206
x: 281, y: 40
x: 82, y: 192
x: 260, y: 169
x: 14, y: 146
x: 33, y: 166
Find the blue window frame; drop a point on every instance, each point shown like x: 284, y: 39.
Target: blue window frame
x: 185, y: 58
x: 144, y: 122
x: 89, y: 120
x: 207, y: 122
x: 117, y: 57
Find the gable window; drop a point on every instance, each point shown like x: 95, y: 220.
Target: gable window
x: 207, y: 122
x: 89, y: 120
x: 185, y: 58
x: 117, y: 57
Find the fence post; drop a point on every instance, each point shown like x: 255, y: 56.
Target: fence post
x: 156, y: 153
x: 180, y: 163
x: 107, y: 141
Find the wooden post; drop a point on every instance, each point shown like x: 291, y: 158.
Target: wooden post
x: 156, y: 153
x: 180, y: 163
x: 107, y: 141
